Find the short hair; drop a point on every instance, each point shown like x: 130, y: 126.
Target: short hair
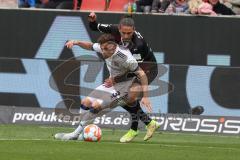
x: 127, y: 21
x: 104, y: 38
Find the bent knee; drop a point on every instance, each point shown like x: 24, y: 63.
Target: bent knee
x: 86, y: 102
x: 96, y: 104
x: 131, y: 100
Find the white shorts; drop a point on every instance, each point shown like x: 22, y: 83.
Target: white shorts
x: 110, y: 97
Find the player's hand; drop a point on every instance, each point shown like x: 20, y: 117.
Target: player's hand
x: 109, y: 82
x: 92, y: 17
x: 70, y: 44
x: 146, y: 102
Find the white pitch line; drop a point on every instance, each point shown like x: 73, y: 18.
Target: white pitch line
x: 6, y: 139
x: 180, y: 146
x: 201, y: 135
x: 118, y: 143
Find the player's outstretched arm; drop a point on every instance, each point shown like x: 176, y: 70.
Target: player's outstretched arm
x: 82, y: 44
x: 144, y: 83
x: 95, y: 26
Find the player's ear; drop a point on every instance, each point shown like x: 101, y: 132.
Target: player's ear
x: 119, y: 26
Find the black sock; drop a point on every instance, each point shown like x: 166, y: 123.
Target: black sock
x: 142, y: 115
x: 134, y: 117
x: 137, y: 113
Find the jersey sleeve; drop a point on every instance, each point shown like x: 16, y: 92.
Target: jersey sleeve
x: 96, y: 47
x: 104, y: 28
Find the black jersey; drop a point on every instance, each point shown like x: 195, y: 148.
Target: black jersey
x: 138, y: 47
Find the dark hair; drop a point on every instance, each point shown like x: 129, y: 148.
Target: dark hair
x: 106, y: 38
x: 127, y: 21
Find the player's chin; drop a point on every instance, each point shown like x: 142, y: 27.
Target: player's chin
x: 127, y: 40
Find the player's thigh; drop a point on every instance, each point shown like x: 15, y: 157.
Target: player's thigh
x: 102, y: 96
x: 99, y: 92
x: 134, y: 92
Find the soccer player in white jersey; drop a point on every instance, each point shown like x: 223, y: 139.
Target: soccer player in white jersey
x: 119, y: 62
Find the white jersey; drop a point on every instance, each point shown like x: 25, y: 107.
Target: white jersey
x: 120, y: 62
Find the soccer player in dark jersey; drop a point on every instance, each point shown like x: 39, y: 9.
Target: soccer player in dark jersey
x: 125, y: 35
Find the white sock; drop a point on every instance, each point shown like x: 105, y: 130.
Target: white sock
x: 86, y: 118
x: 78, y: 130
x: 81, y: 125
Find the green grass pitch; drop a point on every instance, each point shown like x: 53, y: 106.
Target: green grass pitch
x: 32, y: 142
